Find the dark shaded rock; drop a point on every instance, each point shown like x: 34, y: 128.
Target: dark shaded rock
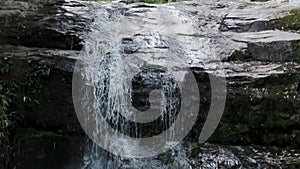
x: 51, y: 107
x: 39, y: 149
x: 276, y: 51
x: 271, y: 46
x: 58, y: 25
x: 264, y: 108
x: 209, y: 155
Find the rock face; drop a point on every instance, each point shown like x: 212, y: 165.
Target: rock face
x: 261, y: 64
x: 49, y: 24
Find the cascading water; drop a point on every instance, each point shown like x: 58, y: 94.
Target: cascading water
x: 114, y: 87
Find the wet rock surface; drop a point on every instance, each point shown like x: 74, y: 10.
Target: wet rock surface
x: 218, y: 156
x: 38, y: 149
x: 261, y: 63
x: 252, y: 59
x: 45, y: 24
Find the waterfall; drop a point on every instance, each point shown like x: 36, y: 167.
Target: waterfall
x: 111, y: 87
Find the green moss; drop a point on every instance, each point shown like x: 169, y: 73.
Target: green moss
x: 296, y: 49
x: 33, y: 133
x: 195, y: 151
x: 267, y: 121
x: 290, y: 22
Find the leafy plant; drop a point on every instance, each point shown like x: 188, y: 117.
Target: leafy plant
x: 7, y: 94
x: 30, y: 91
x: 34, y: 82
x: 5, y: 66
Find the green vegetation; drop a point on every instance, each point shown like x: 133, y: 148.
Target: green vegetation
x: 195, y: 151
x: 7, y: 95
x: 27, y: 89
x: 274, y: 124
x: 18, y: 85
x: 32, y: 84
x: 290, y: 22
x: 33, y: 133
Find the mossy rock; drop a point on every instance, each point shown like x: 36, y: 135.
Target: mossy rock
x: 290, y: 22
x: 264, y: 112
